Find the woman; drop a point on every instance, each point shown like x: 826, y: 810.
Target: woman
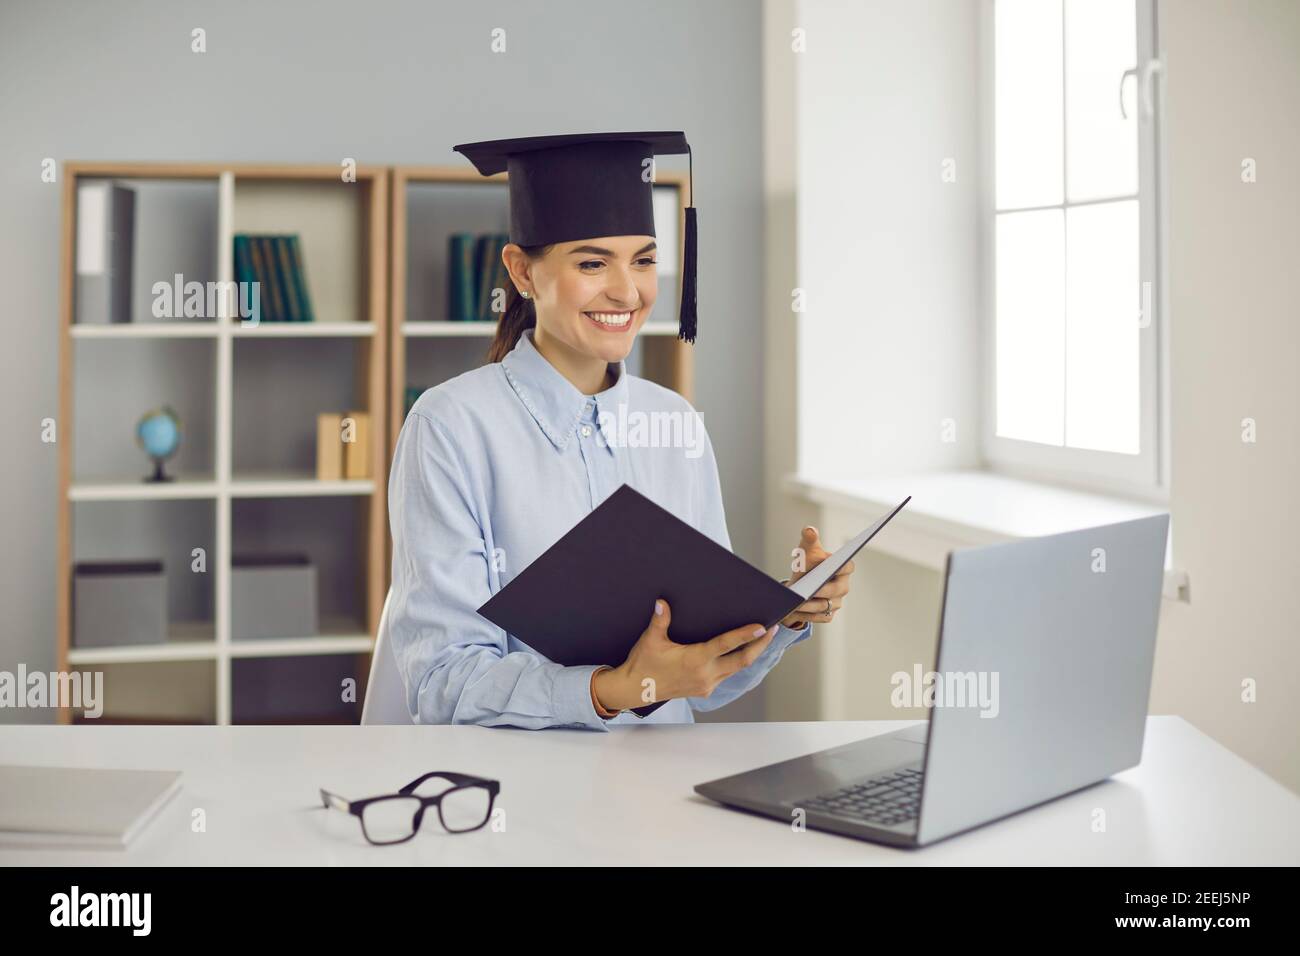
x: 495, y: 465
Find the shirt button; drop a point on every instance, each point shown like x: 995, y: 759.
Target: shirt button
x: 586, y: 431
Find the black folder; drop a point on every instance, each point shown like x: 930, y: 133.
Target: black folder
x: 588, y: 598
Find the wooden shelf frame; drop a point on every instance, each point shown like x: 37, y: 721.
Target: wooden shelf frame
x: 226, y: 486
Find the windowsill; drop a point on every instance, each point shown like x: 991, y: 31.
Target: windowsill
x: 964, y: 509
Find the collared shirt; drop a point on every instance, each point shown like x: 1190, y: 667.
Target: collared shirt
x: 493, y: 467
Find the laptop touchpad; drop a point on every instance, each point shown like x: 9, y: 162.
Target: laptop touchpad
x: 919, y: 733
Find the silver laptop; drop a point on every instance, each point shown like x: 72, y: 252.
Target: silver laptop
x: 1041, y: 688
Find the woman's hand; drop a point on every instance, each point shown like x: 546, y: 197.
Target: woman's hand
x: 659, y: 669
x: 821, y: 607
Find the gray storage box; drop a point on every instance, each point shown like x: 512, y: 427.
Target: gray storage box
x: 272, y: 595
x: 118, y: 602
x: 294, y: 690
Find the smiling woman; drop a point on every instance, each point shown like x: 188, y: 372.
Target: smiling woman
x: 583, y: 240
x: 596, y: 298
x: 492, y: 467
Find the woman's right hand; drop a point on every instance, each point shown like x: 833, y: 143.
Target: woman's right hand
x: 659, y: 669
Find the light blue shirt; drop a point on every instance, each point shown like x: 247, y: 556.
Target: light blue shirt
x: 491, y: 468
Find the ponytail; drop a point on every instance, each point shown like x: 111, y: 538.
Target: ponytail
x: 520, y: 315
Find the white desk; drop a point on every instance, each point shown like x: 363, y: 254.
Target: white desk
x: 625, y: 798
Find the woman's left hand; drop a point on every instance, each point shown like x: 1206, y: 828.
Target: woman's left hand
x: 821, y: 607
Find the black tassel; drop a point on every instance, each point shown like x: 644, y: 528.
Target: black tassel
x: 686, y: 329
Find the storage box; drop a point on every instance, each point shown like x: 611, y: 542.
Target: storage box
x: 294, y: 690
x: 272, y: 595
x: 118, y: 602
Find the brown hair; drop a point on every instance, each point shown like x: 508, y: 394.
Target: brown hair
x: 519, y: 316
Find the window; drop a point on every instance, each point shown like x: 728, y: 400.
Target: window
x: 1073, y: 377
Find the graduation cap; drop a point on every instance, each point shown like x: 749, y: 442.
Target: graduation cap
x: 586, y: 185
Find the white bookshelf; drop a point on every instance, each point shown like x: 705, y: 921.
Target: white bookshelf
x: 147, y: 330
x: 183, y: 487
x: 440, y: 329
x: 289, y: 330
x: 346, y: 264
x: 284, y: 486
x: 212, y: 330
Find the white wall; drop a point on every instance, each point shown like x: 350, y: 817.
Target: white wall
x: 794, y: 689
x: 885, y: 94
x: 888, y: 255
x: 1233, y: 92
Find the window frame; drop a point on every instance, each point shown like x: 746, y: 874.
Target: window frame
x: 1146, y: 474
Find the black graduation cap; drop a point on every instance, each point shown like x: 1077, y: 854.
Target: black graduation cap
x: 584, y: 185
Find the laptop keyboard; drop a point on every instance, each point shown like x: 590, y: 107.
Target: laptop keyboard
x: 891, y: 798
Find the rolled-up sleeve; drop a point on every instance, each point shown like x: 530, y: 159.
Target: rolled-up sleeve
x: 455, y: 664
x: 714, y: 524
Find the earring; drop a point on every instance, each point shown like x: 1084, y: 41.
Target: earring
x: 525, y: 293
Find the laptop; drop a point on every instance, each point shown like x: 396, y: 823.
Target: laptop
x: 1043, y: 677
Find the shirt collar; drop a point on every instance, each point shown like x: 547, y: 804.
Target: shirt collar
x: 553, y: 401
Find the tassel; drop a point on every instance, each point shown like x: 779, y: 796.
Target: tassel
x: 686, y: 321
x: 686, y: 329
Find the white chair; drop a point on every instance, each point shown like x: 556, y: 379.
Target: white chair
x: 385, y: 691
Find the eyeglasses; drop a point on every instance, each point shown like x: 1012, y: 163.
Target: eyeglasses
x: 394, y: 818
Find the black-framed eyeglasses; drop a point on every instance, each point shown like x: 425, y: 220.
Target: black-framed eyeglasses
x: 394, y: 818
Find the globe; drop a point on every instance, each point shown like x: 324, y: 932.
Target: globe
x: 159, y: 434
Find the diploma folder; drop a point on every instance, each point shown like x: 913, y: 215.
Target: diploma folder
x: 588, y: 598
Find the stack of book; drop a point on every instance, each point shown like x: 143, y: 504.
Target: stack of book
x: 342, y: 445
x: 275, y: 263
x: 81, y: 807
x: 476, y: 278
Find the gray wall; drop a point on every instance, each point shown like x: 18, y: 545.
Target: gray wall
x: 387, y: 81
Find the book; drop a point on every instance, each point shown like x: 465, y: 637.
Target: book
x: 485, y: 253
x: 299, y: 273
x: 461, y: 287
x: 356, y: 453
x: 329, y: 446
x: 269, y: 310
x: 105, y: 253
x: 245, y: 277
x: 502, y: 277
x: 275, y: 263
x: 588, y: 598
x: 475, y: 274
x: 72, y: 807
x: 284, y: 267
x: 271, y: 276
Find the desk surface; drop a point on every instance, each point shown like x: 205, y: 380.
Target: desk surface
x: 625, y: 797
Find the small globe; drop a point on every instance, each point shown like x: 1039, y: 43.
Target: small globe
x: 159, y: 434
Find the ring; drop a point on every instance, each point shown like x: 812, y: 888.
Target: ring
x: 828, y: 606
